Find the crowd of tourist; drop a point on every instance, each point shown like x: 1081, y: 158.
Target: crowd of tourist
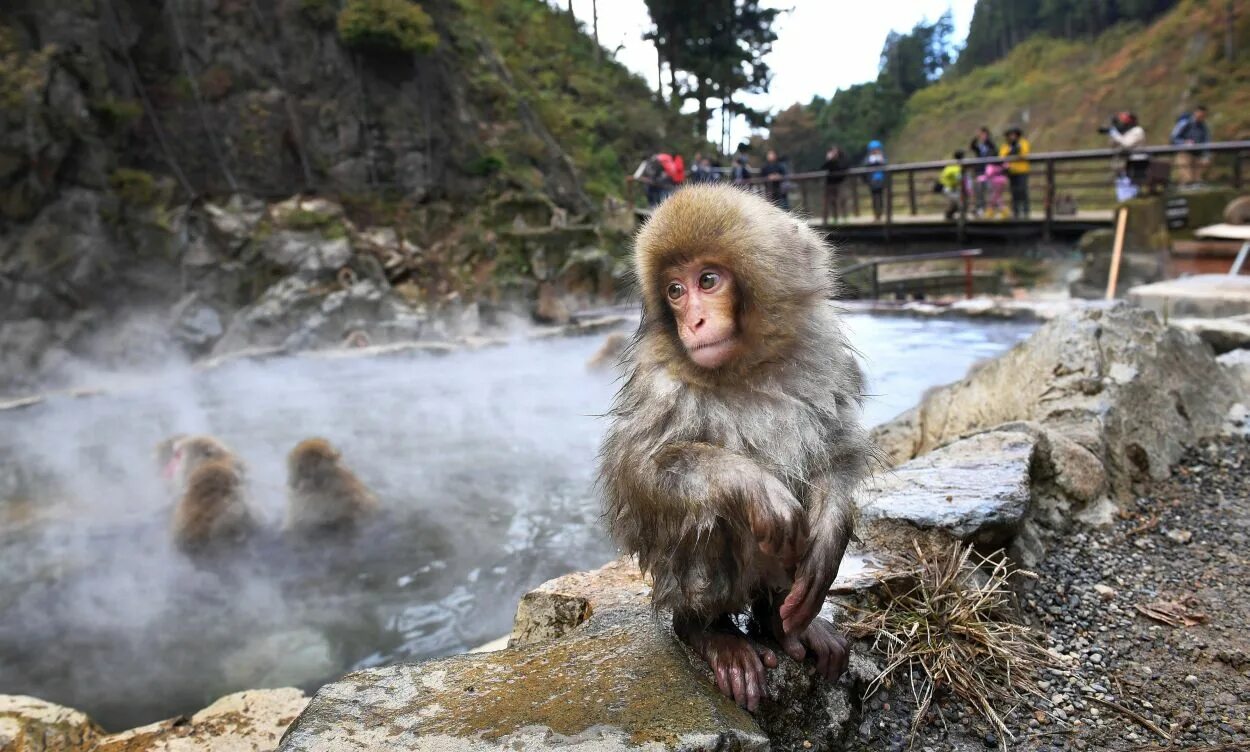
x: 994, y: 186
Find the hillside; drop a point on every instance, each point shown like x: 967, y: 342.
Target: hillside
x: 1061, y: 91
x: 448, y: 125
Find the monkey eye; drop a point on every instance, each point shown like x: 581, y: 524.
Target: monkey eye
x: 708, y: 280
x: 675, y: 290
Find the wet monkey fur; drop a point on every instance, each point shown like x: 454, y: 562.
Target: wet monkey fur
x: 322, y: 493
x: 210, y: 478
x: 735, y: 446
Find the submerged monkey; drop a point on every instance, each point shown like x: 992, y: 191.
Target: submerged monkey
x: 736, y: 444
x: 210, y: 479
x: 322, y: 493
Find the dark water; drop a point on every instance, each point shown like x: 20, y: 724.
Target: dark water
x: 483, y: 462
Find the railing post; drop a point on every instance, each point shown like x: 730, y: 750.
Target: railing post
x: 968, y: 277
x: 1049, y: 199
x: 889, y: 203
x: 824, y: 212
x: 855, y: 195
x: 961, y: 227
x: 876, y: 283
x: 911, y: 192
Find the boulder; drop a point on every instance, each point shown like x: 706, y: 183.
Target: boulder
x: 975, y: 490
x: 1237, y: 365
x: 1223, y: 335
x: 299, y: 313
x: 252, y: 720
x: 590, y: 667
x: 27, y: 723
x: 1116, y: 382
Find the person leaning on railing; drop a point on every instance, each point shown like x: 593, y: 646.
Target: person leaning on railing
x: 1191, y: 128
x: 1015, y: 152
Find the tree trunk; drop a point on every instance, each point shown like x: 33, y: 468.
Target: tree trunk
x: 659, y: 73
x: 572, y: 18
x: 594, y: 16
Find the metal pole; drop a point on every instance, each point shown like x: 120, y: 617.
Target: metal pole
x: 889, y: 203
x: 1049, y: 199
x: 911, y: 192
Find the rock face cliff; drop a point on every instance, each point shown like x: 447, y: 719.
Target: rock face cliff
x: 124, y: 122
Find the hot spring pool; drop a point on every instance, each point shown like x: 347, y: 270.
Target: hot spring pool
x: 483, y: 461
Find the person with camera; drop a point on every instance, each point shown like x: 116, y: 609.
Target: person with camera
x: 1127, y: 134
x: 1015, y: 153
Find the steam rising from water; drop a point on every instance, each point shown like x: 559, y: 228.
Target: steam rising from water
x: 483, y: 461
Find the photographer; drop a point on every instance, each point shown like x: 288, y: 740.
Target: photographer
x: 1127, y: 134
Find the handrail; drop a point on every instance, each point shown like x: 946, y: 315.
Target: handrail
x: 1043, y: 156
x: 967, y: 255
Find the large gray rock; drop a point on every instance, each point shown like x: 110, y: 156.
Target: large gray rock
x: 1115, y: 382
x: 299, y: 313
x: 1223, y: 335
x: 590, y: 667
x: 28, y: 723
x: 974, y: 490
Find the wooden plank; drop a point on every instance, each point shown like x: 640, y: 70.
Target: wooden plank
x: 1117, y: 251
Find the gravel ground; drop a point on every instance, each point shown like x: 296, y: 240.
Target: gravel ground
x: 1131, y: 682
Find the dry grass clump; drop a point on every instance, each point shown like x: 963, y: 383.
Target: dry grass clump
x: 944, y: 620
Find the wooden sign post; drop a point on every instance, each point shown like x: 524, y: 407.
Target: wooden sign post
x: 1117, y: 251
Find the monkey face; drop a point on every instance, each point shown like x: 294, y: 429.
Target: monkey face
x: 703, y: 298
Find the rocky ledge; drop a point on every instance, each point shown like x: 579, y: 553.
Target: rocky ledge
x: 1055, y: 434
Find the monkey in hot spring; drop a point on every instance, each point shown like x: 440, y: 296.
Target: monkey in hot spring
x: 736, y: 446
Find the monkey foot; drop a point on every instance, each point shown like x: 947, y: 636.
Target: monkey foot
x: 827, y: 649
x: 737, y: 662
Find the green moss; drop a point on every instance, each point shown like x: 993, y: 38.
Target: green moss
x: 117, y: 114
x: 304, y: 220
x: 386, y: 26
x: 22, y: 73
x: 134, y: 187
x: 319, y: 13
x: 485, y: 165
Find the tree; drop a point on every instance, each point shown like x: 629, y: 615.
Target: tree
x: 717, y: 46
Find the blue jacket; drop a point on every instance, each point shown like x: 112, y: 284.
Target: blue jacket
x: 1188, y: 129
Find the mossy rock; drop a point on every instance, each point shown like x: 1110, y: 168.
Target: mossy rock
x: 1206, y: 207
x: 387, y: 26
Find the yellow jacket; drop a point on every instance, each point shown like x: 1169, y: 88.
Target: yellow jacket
x: 1019, y: 164
x: 950, y: 177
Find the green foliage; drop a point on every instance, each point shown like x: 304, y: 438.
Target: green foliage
x: 134, y: 187
x: 320, y: 13
x: 485, y: 165
x: 22, y: 73
x: 998, y: 26
x: 304, y: 220
x: 602, y: 115
x: 117, y: 114
x: 387, y: 26
x: 718, y: 47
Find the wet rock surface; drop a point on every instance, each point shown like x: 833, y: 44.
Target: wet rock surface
x: 1223, y: 335
x: 252, y: 720
x: 973, y: 490
x: 1116, y: 381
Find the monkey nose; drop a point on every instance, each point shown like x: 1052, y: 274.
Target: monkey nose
x: 695, y: 325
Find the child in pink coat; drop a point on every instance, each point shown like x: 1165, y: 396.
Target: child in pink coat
x: 995, y: 179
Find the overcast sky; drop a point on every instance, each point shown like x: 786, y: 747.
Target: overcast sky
x: 822, y: 45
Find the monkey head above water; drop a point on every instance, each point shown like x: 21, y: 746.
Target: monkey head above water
x: 210, y: 479
x: 735, y: 446
x: 321, y: 492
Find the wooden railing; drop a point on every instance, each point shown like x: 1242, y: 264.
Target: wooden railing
x: 873, y: 290
x: 1084, y: 176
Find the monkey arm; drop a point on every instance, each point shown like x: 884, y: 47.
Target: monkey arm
x: 831, y: 518
x: 715, y: 483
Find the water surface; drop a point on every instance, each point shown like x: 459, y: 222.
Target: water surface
x: 483, y: 461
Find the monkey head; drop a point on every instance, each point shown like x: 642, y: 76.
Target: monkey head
x: 186, y: 453
x: 727, y: 280
x: 312, y: 458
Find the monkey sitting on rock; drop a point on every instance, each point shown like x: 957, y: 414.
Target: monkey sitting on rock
x: 736, y: 445
x: 209, y: 477
x: 322, y: 494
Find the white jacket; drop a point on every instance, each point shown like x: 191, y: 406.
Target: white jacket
x: 1135, y: 137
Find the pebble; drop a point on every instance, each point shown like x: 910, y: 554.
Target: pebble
x: 1191, y: 680
x: 1180, y: 536
x: 1106, y: 592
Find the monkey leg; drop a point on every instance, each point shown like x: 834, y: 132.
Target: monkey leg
x: 737, y: 662
x: 820, y: 640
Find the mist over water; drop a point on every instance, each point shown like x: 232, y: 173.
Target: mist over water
x: 483, y: 462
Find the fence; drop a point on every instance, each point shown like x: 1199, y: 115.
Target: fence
x: 1063, y: 186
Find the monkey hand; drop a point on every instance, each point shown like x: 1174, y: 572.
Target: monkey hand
x: 777, y: 521
x: 812, y: 581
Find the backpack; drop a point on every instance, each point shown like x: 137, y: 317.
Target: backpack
x: 1180, y: 131
x: 674, y: 167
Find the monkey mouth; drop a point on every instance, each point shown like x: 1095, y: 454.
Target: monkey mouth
x: 712, y: 354
x: 714, y: 343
